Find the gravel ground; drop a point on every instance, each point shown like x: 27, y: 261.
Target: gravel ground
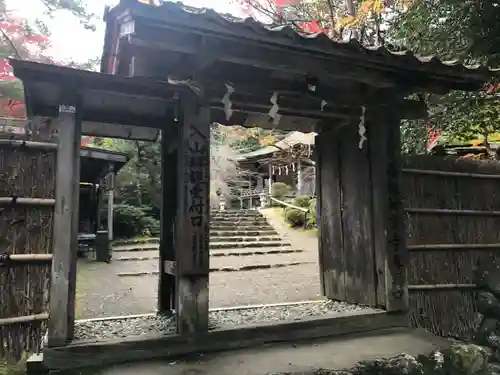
x: 101, y: 293
x: 137, y: 326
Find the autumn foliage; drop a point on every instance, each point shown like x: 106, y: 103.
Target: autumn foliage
x: 18, y: 41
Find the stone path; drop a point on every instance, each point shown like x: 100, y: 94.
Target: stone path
x: 251, y: 263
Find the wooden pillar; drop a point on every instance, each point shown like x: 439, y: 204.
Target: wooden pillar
x: 270, y: 180
x: 389, y: 232
x: 111, y: 199
x: 169, y: 181
x: 63, y: 286
x: 322, y: 267
x: 300, y: 178
x: 99, y: 206
x: 193, y: 216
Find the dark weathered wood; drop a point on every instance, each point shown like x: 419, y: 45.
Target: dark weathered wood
x: 397, y: 253
x: 409, y: 109
x: 64, y: 251
x: 169, y: 183
x: 36, y: 366
x: 357, y: 218
x: 318, y: 172
x: 84, y: 354
x: 377, y: 143
x: 261, y: 56
x: 332, y: 256
x: 75, y: 222
x: 193, y: 216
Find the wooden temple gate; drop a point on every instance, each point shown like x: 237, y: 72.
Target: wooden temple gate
x: 192, y: 67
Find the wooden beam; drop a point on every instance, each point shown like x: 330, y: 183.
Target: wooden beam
x: 263, y: 57
x: 313, y: 109
x: 157, y: 345
x: 101, y: 129
x: 62, y: 292
x: 169, y: 184
x: 32, y: 73
x: 128, y: 118
x: 192, y: 220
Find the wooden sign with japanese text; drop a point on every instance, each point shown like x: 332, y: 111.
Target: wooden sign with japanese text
x: 194, y: 169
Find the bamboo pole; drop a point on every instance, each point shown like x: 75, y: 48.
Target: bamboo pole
x: 454, y: 246
x: 27, y: 201
x: 26, y: 258
x: 442, y: 287
x: 451, y: 174
x: 442, y: 211
x: 24, y: 319
x: 29, y: 144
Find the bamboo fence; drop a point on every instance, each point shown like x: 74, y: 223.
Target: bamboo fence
x: 27, y: 192
x: 453, y: 220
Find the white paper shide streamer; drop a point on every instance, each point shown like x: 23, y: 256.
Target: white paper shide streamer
x: 362, y: 128
x: 226, y: 101
x: 273, y: 112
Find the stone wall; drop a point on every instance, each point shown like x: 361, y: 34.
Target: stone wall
x: 488, y: 305
x: 457, y: 359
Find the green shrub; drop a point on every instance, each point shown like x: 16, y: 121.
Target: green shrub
x: 294, y: 217
x: 301, y: 201
x: 150, y: 226
x: 311, y: 215
x: 130, y: 221
x: 279, y: 190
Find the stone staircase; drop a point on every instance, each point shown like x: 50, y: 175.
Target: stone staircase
x: 240, y: 240
x: 242, y: 229
x: 250, y: 263
x: 243, y: 240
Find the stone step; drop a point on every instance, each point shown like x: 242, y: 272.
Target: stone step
x: 214, y: 239
x: 141, y: 256
x: 135, y: 247
x: 240, y: 227
x: 239, y: 220
x: 236, y: 212
x: 256, y: 214
x: 234, y: 245
x: 257, y: 260
x: 245, y: 233
x: 133, y: 241
x: 136, y: 255
x: 245, y: 252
